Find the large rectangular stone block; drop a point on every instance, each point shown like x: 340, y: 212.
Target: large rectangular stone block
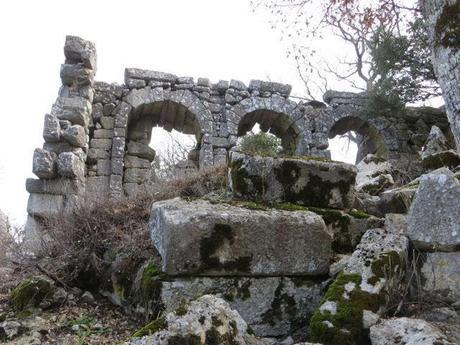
x: 76, y: 109
x: 200, y: 238
x: 45, y: 205
x: 301, y: 180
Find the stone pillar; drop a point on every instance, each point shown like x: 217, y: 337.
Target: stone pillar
x: 443, y: 29
x: 60, y: 164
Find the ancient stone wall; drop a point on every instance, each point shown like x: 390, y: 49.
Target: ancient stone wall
x: 97, y: 134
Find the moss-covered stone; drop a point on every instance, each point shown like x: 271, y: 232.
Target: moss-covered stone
x: 30, y: 293
x: 152, y: 327
x: 188, y: 339
x: 344, y: 326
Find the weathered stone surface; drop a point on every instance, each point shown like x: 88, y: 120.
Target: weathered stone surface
x: 104, y: 167
x: 219, y: 325
x: 437, y: 151
x: 141, y: 150
x: 267, y: 86
x: 135, y: 175
x: 103, y: 134
x: 434, y: 214
x: 374, y: 175
x: 51, y: 129
x: 78, y: 50
x: 45, y: 205
x: 97, y: 185
x: 407, y: 331
x: 44, y: 164
x: 136, y: 73
x: 306, y: 181
x: 201, y: 238
x: 76, y: 136
x: 136, y: 162
x: 77, y: 110
x: 70, y: 165
x: 375, y: 267
x: 76, y: 75
x: 272, y: 306
x: 104, y: 144
x: 441, y: 272
x: 59, y: 186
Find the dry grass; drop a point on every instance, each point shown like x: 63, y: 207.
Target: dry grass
x: 79, y: 247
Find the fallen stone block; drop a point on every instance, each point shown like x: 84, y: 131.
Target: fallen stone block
x: 377, y: 264
x: 441, y: 275
x: 200, y: 238
x: 433, y: 219
x: 306, y: 181
x: 408, y: 331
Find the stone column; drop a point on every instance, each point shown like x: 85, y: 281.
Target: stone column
x: 443, y: 21
x: 60, y: 164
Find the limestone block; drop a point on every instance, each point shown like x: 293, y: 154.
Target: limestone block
x: 180, y: 328
x: 97, y: 185
x: 441, y: 272
x: 136, y: 73
x: 136, y: 162
x: 60, y: 186
x: 256, y: 299
x: 433, y: 219
x: 408, y: 331
x: 131, y: 189
x: 117, y: 166
x: 201, y: 238
x: 95, y: 154
x: 70, y: 165
x: 96, y: 112
x: 104, y: 167
x: 107, y: 122
x: 266, y: 86
x: 44, y: 163
x: 135, y: 175
x: 141, y: 150
x: 76, y: 136
x: 116, y: 185
x: 45, y: 205
x: 77, y: 110
x: 78, y: 50
x: 51, y: 129
x: 103, y: 134
x: 118, y: 149
x: 237, y: 85
x: 311, y: 182
x: 104, y: 144
x: 375, y: 268
x: 76, y: 74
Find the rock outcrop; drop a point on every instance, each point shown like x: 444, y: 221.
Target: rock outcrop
x: 208, y: 320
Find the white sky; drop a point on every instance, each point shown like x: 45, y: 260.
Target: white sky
x: 217, y: 39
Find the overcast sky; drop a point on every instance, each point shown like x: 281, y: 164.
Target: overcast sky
x: 217, y: 39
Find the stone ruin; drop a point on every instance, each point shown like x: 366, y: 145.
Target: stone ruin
x: 97, y: 134
x: 260, y: 260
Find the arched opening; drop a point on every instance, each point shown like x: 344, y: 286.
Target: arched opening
x: 351, y: 139
x: 277, y: 124
x: 163, y: 140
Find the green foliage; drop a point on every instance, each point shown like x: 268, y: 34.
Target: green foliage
x: 263, y: 144
x: 403, y: 69
x: 152, y: 327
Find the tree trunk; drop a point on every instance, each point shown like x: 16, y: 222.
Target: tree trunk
x: 443, y: 21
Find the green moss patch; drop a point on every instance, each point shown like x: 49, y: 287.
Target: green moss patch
x: 344, y: 327
x: 30, y: 293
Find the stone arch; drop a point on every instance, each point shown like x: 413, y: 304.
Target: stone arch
x: 180, y: 110
x: 373, y: 140
x: 276, y: 115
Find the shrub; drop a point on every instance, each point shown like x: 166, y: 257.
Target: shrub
x: 80, y: 246
x: 263, y: 144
